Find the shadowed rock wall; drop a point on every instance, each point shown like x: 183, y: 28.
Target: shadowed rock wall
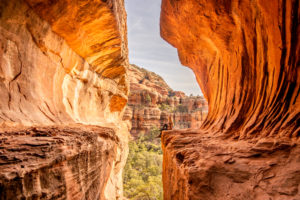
x: 245, y: 55
x: 57, y: 162
x: 61, y: 63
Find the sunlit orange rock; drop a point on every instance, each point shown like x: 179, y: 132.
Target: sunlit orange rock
x: 72, y: 70
x: 245, y: 55
x: 64, y: 62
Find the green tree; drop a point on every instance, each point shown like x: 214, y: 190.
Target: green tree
x: 142, y: 173
x: 164, y: 107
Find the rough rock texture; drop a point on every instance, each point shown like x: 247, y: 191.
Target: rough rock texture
x: 245, y: 55
x: 56, y: 162
x: 208, y: 168
x: 151, y: 101
x: 64, y: 62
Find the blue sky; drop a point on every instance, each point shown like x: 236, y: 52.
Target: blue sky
x: 148, y: 50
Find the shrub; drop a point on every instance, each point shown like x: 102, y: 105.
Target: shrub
x: 164, y: 107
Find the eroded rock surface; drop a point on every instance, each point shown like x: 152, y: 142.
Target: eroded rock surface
x: 64, y: 62
x: 49, y: 75
x: 56, y: 162
x: 245, y: 55
x: 200, y: 166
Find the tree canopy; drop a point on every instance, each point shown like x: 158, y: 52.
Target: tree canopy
x: 142, y: 173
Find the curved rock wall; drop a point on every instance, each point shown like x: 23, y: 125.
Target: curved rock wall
x: 245, y: 55
x: 69, y: 67
x: 64, y: 62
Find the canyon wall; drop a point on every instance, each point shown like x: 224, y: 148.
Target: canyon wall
x: 151, y: 101
x: 63, y: 63
x: 245, y: 55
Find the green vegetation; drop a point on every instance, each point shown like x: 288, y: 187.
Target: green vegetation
x: 164, y: 107
x: 148, y: 99
x: 180, y: 108
x: 142, y: 173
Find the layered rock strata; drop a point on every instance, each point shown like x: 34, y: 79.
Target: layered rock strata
x: 151, y: 101
x: 245, y: 55
x: 64, y: 62
x: 56, y: 162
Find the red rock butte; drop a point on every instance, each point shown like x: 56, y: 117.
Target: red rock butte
x: 64, y: 88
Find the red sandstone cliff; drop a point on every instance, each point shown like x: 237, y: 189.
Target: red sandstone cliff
x: 151, y: 101
x: 62, y: 63
x: 245, y: 55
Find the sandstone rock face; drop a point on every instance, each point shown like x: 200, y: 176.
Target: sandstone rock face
x: 245, y: 55
x: 64, y: 62
x: 57, y: 162
x: 200, y: 166
x: 60, y: 69
x: 151, y: 101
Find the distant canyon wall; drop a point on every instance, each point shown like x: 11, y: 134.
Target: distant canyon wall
x: 245, y: 55
x: 151, y: 102
x: 61, y: 63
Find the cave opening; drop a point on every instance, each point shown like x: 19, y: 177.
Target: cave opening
x: 163, y: 95
x: 64, y: 87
